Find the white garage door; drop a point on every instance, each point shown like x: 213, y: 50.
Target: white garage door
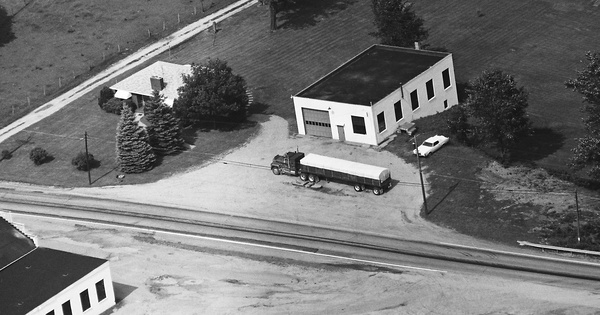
x: 316, y: 122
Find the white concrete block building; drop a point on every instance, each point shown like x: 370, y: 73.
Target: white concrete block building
x: 367, y: 98
x: 43, y: 281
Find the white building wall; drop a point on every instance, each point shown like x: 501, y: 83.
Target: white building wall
x: 340, y: 113
x: 72, y: 293
x: 435, y: 105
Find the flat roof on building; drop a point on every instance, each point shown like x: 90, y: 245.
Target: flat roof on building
x: 40, y: 275
x: 13, y: 244
x: 372, y: 75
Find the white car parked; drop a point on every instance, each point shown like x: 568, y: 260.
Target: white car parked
x: 431, y: 145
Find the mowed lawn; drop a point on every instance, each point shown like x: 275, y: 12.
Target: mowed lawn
x: 540, y: 42
x: 58, y: 44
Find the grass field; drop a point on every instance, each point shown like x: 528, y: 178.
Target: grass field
x: 539, y: 42
x: 65, y: 42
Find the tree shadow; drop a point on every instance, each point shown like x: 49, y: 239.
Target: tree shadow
x: 6, y: 32
x: 461, y: 90
x: 540, y: 144
x: 304, y: 13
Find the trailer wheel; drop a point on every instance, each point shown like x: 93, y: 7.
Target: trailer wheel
x: 276, y: 170
x: 313, y: 178
x: 377, y: 191
x: 358, y: 188
x: 303, y: 176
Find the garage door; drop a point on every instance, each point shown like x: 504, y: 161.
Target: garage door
x: 316, y: 122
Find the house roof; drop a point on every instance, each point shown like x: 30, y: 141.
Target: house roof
x: 40, y: 275
x: 13, y: 244
x: 139, y: 82
x: 372, y: 75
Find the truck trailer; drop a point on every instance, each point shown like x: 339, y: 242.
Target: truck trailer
x: 313, y: 167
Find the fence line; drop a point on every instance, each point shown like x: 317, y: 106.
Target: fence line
x: 163, y: 29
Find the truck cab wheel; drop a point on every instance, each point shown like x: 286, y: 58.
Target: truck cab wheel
x: 377, y: 191
x: 276, y: 170
x: 313, y: 178
x: 303, y: 176
x: 358, y: 188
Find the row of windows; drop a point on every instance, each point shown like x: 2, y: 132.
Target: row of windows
x: 317, y: 123
x: 84, y: 297
x: 358, y: 123
x: 414, y: 96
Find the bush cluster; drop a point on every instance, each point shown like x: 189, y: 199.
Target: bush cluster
x: 39, y: 156
x: 82, y: 163
x: 105, y: 94
x: 6, y: 154
x: 115, y: 105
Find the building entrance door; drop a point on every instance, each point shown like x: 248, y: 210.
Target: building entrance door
x: 341, y: 133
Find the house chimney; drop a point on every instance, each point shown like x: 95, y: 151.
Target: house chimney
x: 157, y: 83
x: 417, y: 46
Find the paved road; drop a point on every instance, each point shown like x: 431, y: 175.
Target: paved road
x: 123, y: 66
x: 305, y: 238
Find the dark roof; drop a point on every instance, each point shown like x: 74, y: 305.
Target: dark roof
x: 39, y: 276
x: 13, y: 243
x: 372, y: 75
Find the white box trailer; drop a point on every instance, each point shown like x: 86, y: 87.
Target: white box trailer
x: 313, y: 167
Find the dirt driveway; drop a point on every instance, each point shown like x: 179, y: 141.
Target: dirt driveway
x: 227, y: 186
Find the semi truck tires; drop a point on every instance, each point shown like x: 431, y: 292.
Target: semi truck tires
x: 358, y: 188
x: 276, y: 170
x: 303, y: 176
x: 377, y: 191
x: 313, y: 178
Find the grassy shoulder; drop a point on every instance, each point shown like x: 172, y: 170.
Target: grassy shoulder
x: 471, y: 193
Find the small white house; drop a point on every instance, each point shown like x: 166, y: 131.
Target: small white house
x: 365, y: 99
x: 162, y: 76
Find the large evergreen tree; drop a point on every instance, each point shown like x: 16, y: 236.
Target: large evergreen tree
x: 497, y: 110
x: 212, y: 92
x: 134, y: 154
x: 397, y: 24
x: 587, y: 83
x: 164, y: 131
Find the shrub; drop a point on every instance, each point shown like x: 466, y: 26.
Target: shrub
x: 39, y: 155
x: 105, y: 95
x: 6, y: 154
x: 115, y: 105
x: 81, y: 163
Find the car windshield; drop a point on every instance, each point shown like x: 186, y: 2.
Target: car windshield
x: 427, y: 144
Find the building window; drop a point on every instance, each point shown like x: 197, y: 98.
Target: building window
x: 66, y: 308
x: 100, y: 290
x: 358, y: 125
x: 446, y: 78
x: 414, y: 99
x: 430, y: 91
x: 381, y: 121
x: 398, y: 110
x: 445, y: 104
x: 85, y: 300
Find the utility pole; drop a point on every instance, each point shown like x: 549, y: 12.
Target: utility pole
x: 421, y: 175
x: 577, y: 208
x: 87, y: 159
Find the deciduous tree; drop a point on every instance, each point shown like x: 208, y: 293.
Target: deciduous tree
x: 397, y: 24
x: 497, y: 110
x: 212, y: 92
x: 587, y: 83
x: 134, y: 154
